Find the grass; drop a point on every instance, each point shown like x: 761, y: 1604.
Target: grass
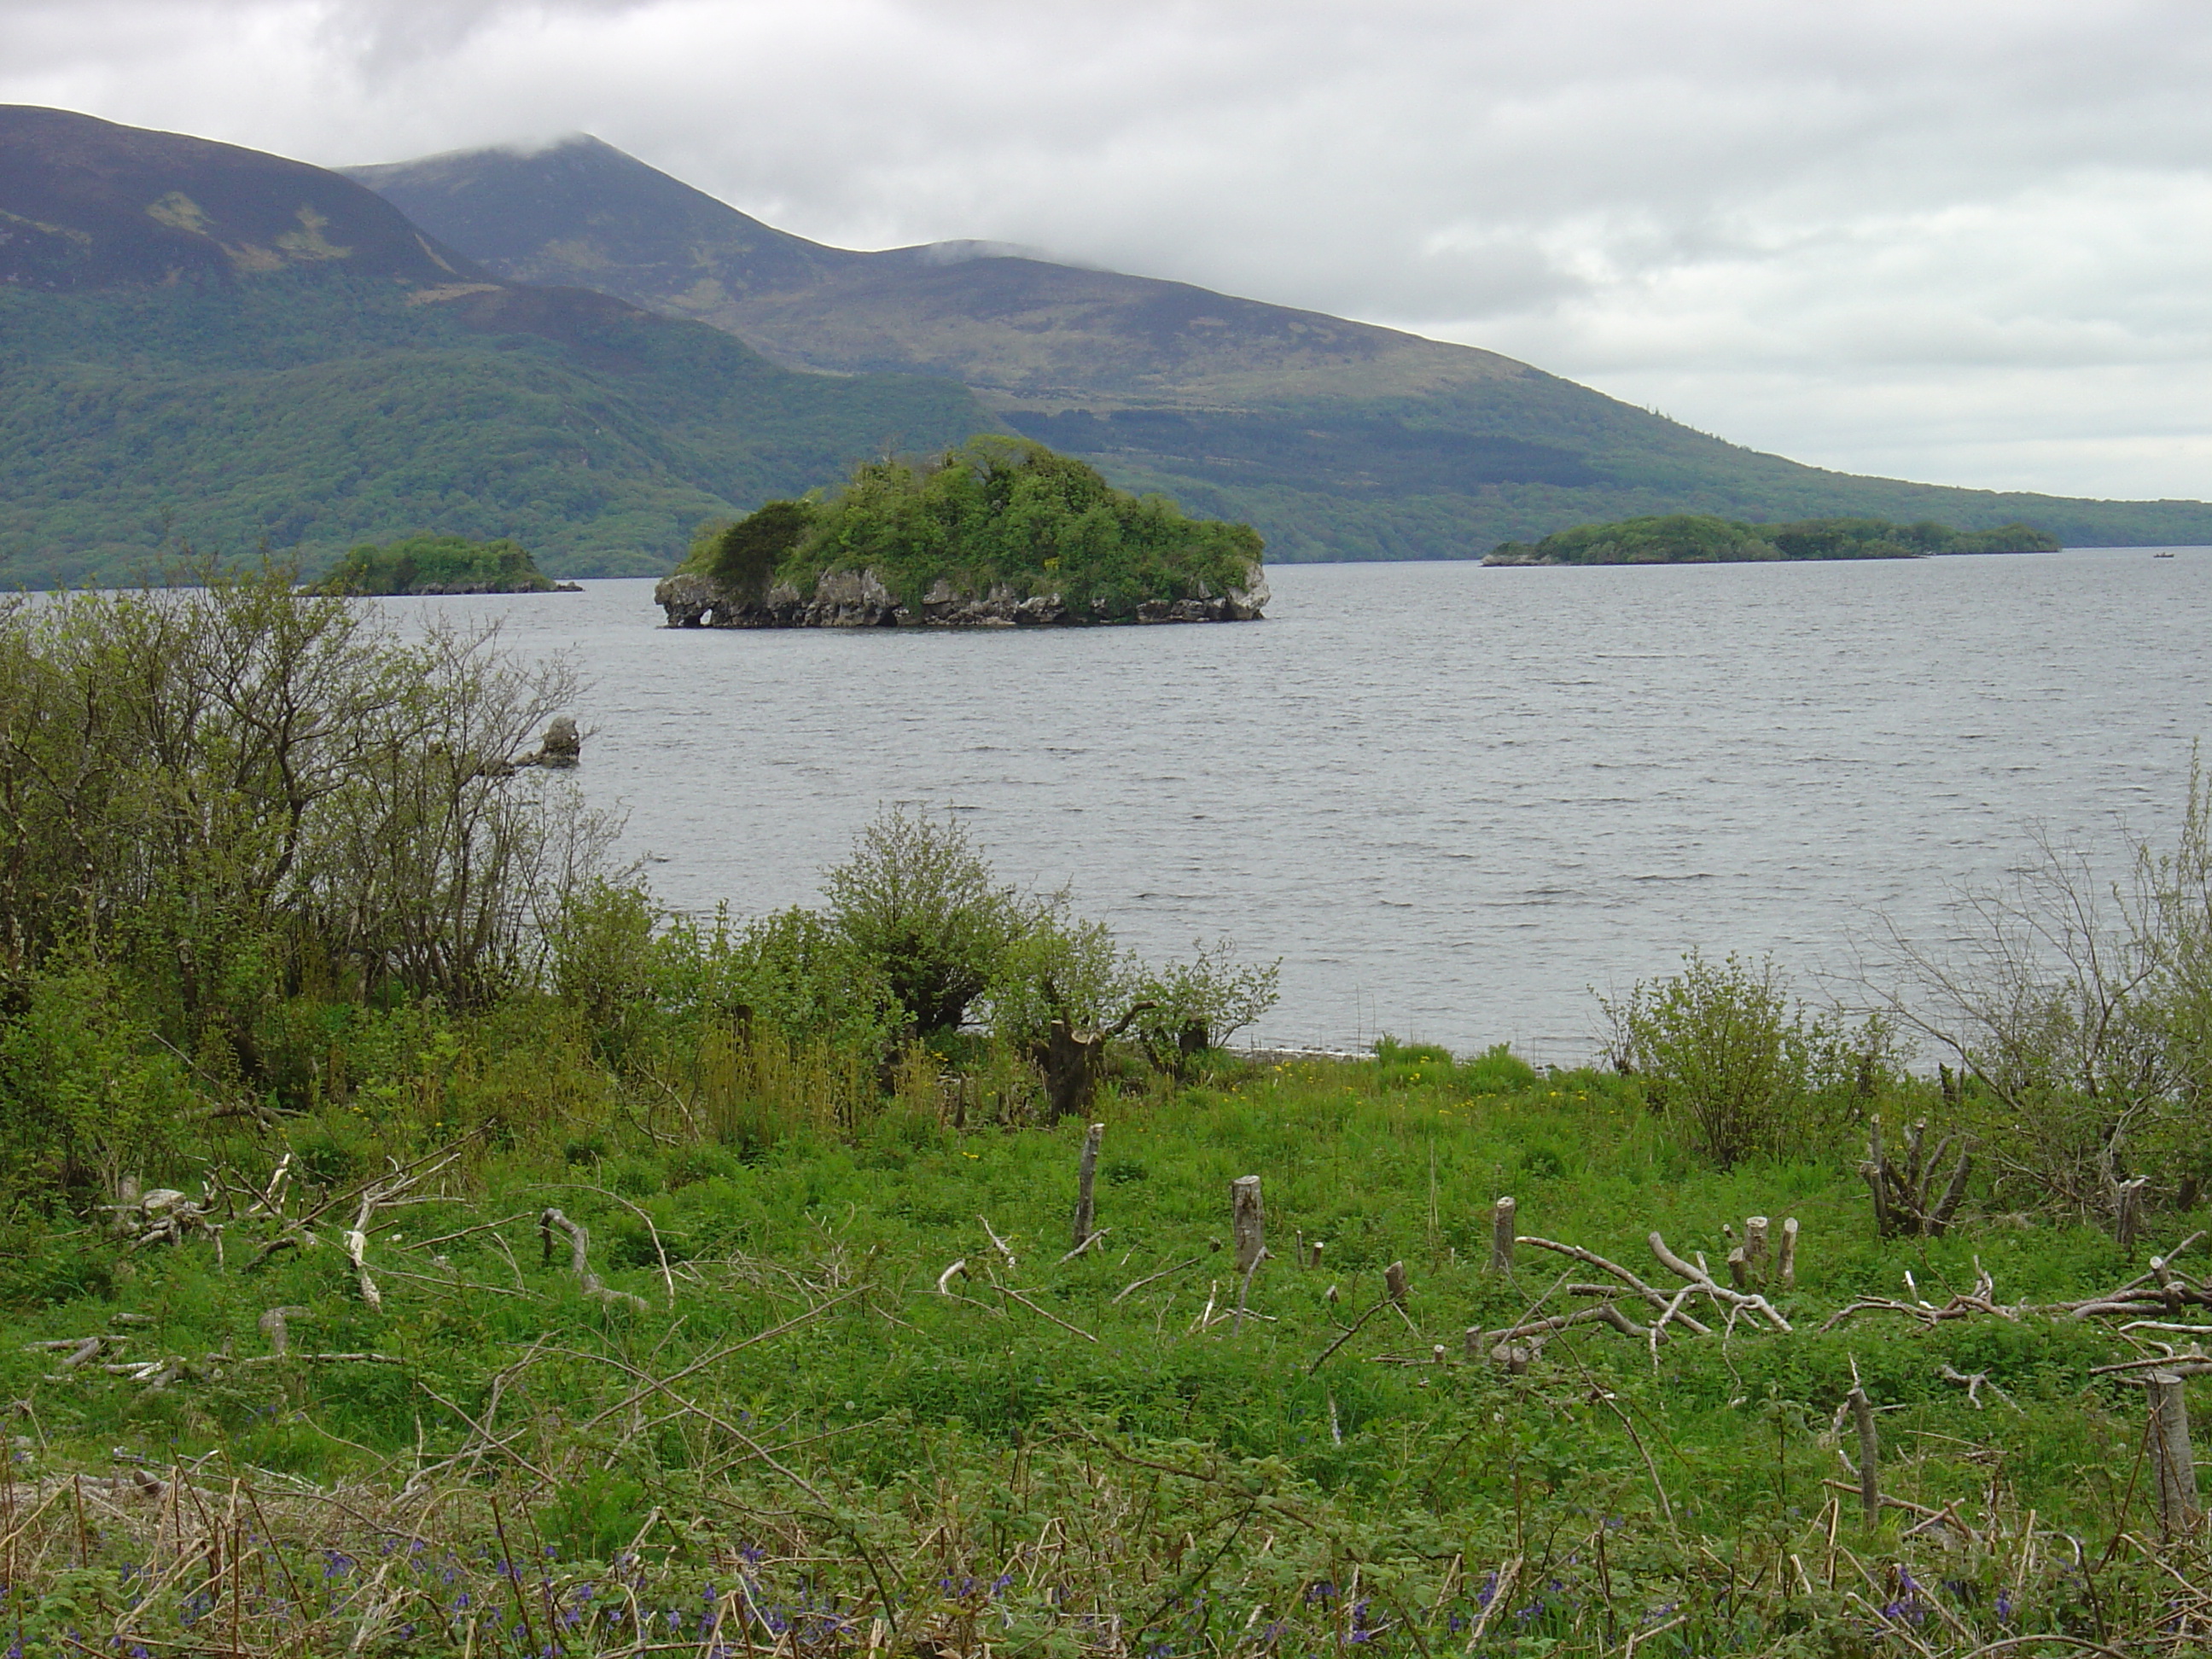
x: 798, y: 1442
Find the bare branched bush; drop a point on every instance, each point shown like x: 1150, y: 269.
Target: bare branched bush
x: 2079, y: 1007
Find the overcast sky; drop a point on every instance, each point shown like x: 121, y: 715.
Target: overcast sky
x: 1951, y: 240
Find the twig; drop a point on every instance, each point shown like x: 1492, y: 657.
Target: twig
x: 1042, y: 1314
x: 1003, y: 1247
x: 1149, y: 1277
x: 1347, y: 1336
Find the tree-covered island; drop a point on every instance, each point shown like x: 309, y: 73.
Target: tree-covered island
x: 998, y: 532
x: 1702, y: 539
x: 439, y: 564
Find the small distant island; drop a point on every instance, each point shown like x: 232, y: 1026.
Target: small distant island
x: 1700, y: 538
x: 438, y: 564
x: 998, y: 532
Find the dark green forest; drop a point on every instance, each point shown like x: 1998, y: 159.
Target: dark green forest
x: 1702, y: 539
x: 306, y: 414
x: 435, y: 564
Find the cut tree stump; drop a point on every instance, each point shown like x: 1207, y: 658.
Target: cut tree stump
x: 1247, y: 1220
x: 1394, y: 1282
x: 2173, y: 1462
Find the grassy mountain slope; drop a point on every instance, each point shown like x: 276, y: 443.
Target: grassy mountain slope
x: 1339, y: 440
x: 204, y: 344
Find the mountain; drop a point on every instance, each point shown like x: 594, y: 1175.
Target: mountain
x: 208, y: 345
x: 1339, y: 440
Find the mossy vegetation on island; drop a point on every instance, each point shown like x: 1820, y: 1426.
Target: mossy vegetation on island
x: 438, y: 564
x: 996, y: 525
x: 1703, y: 538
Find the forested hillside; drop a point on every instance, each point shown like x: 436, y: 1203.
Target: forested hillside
x: 207, y: 346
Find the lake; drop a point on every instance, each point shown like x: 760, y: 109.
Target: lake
x: 1453, y: 800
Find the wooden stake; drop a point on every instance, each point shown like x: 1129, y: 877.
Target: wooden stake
x: 2172, y: 1460
x: 1870, y: 1451
x: 1501, y: 1236
x: 1785, y: 1257
x: 1248, y: 1220
x: 1086, y: 1178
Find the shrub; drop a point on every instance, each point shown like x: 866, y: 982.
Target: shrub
x: 2081, y: 1010
x: 87, y: 1094
x: 1202, y: 1003
x: 922, y: 909
x: 1738, y: 1065
x: 743, y: 558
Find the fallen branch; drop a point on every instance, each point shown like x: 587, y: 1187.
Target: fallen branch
x: 580, y: 1244
x: 357, y: 1247
x: 1042, y: 1314
x: 1721, y: 1295
x: 1974, y: 1382
x: 1605, y: 1314
x: 1347, y: 1336
x: 1151, y: 1277
x: 1084, y: 1246
x: 1650, y: 1294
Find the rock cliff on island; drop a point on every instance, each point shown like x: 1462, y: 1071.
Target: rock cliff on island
x: 844, y: 598
x: 997, y: 533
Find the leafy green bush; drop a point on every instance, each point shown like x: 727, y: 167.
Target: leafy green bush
x: 1497, y: 1070
x: 88, y: 1092
x: 743, y: 556
x: 1200, y: 1004
x: 1739, y: 1065
x: 920, y: 907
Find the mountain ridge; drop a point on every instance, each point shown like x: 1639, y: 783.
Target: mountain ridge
x: 1338, y: 439
x: 210, y: 347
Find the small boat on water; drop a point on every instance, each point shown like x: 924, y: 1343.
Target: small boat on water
x: 2162, y: 556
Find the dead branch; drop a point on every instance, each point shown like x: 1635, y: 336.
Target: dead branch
x: 1152, y: 1277
x: 1702, y: 1281
x: 580, y: 1244
x: 1651, y: 1295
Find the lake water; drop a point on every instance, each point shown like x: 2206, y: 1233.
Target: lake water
x: 1451, y: 799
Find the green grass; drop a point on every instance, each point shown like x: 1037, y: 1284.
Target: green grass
x: 969, y: 1467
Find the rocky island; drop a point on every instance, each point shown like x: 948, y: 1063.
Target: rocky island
x: 999, y: 532
x: 1702, y: 539
x: 439, y: 564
